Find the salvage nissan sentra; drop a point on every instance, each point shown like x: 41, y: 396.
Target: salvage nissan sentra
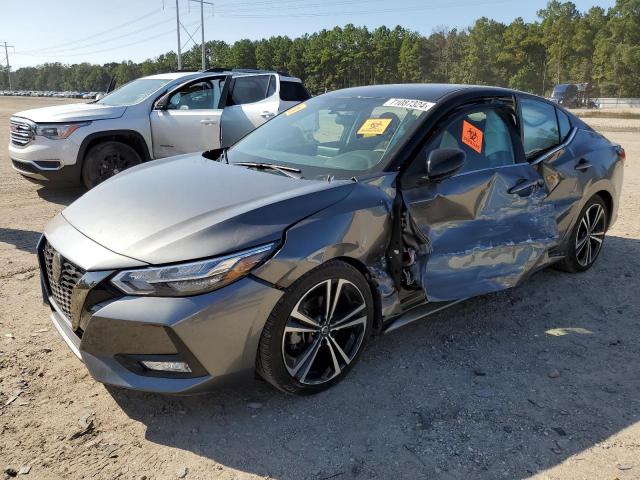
x: 354, y: 213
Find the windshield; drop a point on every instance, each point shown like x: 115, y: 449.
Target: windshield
x: 330, y: 135
x: 133, y: 92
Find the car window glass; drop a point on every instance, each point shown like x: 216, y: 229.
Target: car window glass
x: 249, y: 89
x: 564, y: 123
x: 483, y: 135
x: 540, y: 126
x: 272, y: 86
x: 341, y: 136
x: 197, y: 96
x: 293, y: 92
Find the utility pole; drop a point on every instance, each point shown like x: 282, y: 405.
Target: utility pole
x: 178, y: 30
x: 6, y: 55
x: 204, y: 59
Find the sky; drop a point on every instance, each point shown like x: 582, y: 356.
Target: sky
x: 96, y: 31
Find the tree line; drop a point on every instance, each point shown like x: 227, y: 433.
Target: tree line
x: 563, y: 45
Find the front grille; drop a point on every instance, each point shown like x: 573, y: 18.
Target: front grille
x: 20, y: 132
x: 62, y: 283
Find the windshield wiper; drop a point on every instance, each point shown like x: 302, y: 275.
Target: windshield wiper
x: 288, y: 171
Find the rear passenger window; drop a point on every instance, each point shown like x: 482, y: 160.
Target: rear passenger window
x: 249, y: 89
x: 293, y: 92
x: 540, y: 126
x: 564, y: 123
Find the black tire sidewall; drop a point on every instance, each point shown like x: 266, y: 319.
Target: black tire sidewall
x: 270, y: 362
x: 95, y: 155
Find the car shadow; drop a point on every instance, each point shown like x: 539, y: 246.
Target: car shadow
x: 505, y: 385
x: 61, y: 196
x: 25, y: 240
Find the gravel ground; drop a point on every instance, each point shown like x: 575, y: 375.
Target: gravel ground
x: 540, y: 381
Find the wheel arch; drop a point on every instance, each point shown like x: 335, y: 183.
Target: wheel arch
x: 375, y: 292
x: 607, y: 198
x: 129, y: 137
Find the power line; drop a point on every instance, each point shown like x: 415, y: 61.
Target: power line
x: 49, y: 52
x: 117, y: 47
x: 93, y: 35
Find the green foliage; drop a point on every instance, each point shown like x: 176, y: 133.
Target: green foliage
x: 565, y: 45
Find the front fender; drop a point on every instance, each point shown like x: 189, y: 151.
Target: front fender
x: 357, y: 228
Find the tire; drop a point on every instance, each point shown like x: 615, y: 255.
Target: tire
x: 105, y: 160
x: 299, y: 347
x: 581, y: 253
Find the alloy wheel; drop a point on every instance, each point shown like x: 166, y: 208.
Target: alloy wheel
x: 590, y: 235
x: 324, y: 331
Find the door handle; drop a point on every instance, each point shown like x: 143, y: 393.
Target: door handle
x: 525, y: 185
x: 266, y: 114
x: 208, y: 122
x: 583, y: 166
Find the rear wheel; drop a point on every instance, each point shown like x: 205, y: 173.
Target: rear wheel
x: 105, y: 160
x: 587, y: 237
x: 317, y: 331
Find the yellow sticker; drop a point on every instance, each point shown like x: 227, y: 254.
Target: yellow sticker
x: 297, y: 108
x: 374, y: 126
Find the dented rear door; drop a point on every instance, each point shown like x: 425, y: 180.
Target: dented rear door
x: 486, y: 227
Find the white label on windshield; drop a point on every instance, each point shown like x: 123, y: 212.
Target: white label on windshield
x: 408, y: 103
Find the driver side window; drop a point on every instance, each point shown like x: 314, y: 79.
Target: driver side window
x: 197, y: 96
x: 483, y: 134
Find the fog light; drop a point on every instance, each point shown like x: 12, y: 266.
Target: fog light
x: 175, y: 367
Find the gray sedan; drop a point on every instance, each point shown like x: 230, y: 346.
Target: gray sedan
x: 351, y: 214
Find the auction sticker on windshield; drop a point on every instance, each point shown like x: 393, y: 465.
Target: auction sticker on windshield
x: 409, y: 103
x: 374, y: 126
x: 297, y: 108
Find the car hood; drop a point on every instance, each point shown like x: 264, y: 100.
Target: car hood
x: 189, y: 207
x: 75, y: 112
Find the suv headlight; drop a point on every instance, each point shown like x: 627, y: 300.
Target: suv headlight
x: 191, y: 278
x: 57, y: 131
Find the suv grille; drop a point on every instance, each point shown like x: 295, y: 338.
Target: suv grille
x: 21, y: 132
x: 62, y: 276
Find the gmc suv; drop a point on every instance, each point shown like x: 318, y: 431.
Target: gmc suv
x: 149, y: 118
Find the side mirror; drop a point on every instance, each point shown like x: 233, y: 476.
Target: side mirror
x: 162, y: 103
x: 444, y: 162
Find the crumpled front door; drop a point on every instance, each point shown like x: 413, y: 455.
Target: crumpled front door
x: 486, y: 230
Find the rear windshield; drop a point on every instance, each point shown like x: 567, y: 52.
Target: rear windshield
x: 133, y: 92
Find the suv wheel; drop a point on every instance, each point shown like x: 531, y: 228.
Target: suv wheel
x: 105, y: 160
x: 317, y: 331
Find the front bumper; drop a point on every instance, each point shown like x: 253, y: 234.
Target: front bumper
x: 47, y: 161
x: 216, y: 333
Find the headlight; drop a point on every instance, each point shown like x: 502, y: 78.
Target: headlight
x: 191, y: 278
x: 57, y: 131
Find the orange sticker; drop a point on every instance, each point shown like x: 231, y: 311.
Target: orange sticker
x: 472, y: 136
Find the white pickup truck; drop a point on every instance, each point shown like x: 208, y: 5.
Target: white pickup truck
x: 148, y: 118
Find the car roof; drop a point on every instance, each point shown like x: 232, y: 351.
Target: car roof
x: 232, y: 72
x: 429, y: 92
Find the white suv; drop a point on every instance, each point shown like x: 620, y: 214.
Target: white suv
x: 148, y: 118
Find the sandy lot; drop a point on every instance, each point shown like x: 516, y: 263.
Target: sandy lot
x: 488, y: 389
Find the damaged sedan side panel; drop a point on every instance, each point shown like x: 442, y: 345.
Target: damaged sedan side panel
x: 357, y: 228
x: 482, y: 238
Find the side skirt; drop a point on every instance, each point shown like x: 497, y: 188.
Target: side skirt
x: 418, y: 313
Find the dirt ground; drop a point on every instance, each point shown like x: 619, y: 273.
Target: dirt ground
x: 536, y: 382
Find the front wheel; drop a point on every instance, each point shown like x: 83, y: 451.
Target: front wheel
x: 317, y: 331
x: 587, y: 237
x: 105, y: 160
